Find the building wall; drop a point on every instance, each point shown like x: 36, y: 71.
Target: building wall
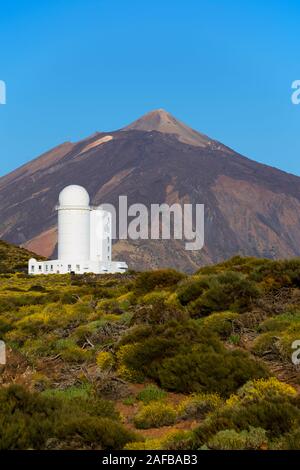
x: 73, y: 234
x: 100, y: 244
x: 78, y: 267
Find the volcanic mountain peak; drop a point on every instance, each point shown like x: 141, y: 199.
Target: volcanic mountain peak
x: 161, y: 121
x: 250, y: 209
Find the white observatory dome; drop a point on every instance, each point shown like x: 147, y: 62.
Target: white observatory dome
x: 75, y: 196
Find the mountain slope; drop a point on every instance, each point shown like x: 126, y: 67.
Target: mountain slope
x: 250, y: 208
x: 13, y: 258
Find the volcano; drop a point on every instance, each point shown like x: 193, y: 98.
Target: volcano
x: 250, y: 209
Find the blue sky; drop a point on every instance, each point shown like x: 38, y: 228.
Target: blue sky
x: 224, y: 67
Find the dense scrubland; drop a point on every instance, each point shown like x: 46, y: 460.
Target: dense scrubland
x: 153, y: 360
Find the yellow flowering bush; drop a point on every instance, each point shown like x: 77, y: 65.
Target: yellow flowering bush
x: 173, y: 440
x: 155, y: 415
x: 260, y: 389
x: 128, y: 373
x: 198, y: 404
x: 156, y: 296
x: 149, y: 444
x: 105, y: 360
x: 177, y: 440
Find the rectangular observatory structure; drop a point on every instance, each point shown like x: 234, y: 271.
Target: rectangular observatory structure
x: 100, y: 235
x: 84, y: 238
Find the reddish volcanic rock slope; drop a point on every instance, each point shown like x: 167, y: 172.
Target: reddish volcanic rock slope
x: 250, y: 208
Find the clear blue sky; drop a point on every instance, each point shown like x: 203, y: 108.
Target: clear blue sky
x: 224, y: 67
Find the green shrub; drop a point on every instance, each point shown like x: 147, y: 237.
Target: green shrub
x: 278, y: 274
x: 286, y: 339
x: 146, y: 347
x: 104, y: 432
x: 5, y: 326
x: 155, y: 415
x: 125, y: 301
x: 67, y: 298
x: 290, y: 441
x: 191, y: 289
x: 221, y: 323
x: 228, y: 291
x: 34, y: 348
x: 265, y: 343
x: 129, y: 401
x: 234, y: 339
x: 176, y: 440
x: 151, y: 393
x: 276, y: 324
x: 267, y: 404
x: 70, y: 352
x: 198, y: 405
x: 28, y: 420
x: 128, y: 362
x: 80, y: 333
x: 230, y: 439
x: 155, y: 297
x: 204, y: 370
x: 37, y: 288
x: 244, y: 265
x: 184, y: 357
x: 160, y: 279
x: 135, y: 334
x: 25, y: 419
x: 158, y: 313
x: 83, y: 391
x: 40, y: 381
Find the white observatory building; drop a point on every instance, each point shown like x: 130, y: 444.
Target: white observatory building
x: 84, y: 238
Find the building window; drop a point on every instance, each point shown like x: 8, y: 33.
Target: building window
x: 46, y: 267
x: 40, y: 267
x: 69, y: 267
x: 78, y: 267
x: 32, y: 268
x: 51, y: 267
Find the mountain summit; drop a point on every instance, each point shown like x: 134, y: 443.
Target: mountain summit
x: 161, y: 121
x: 250, y: 209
